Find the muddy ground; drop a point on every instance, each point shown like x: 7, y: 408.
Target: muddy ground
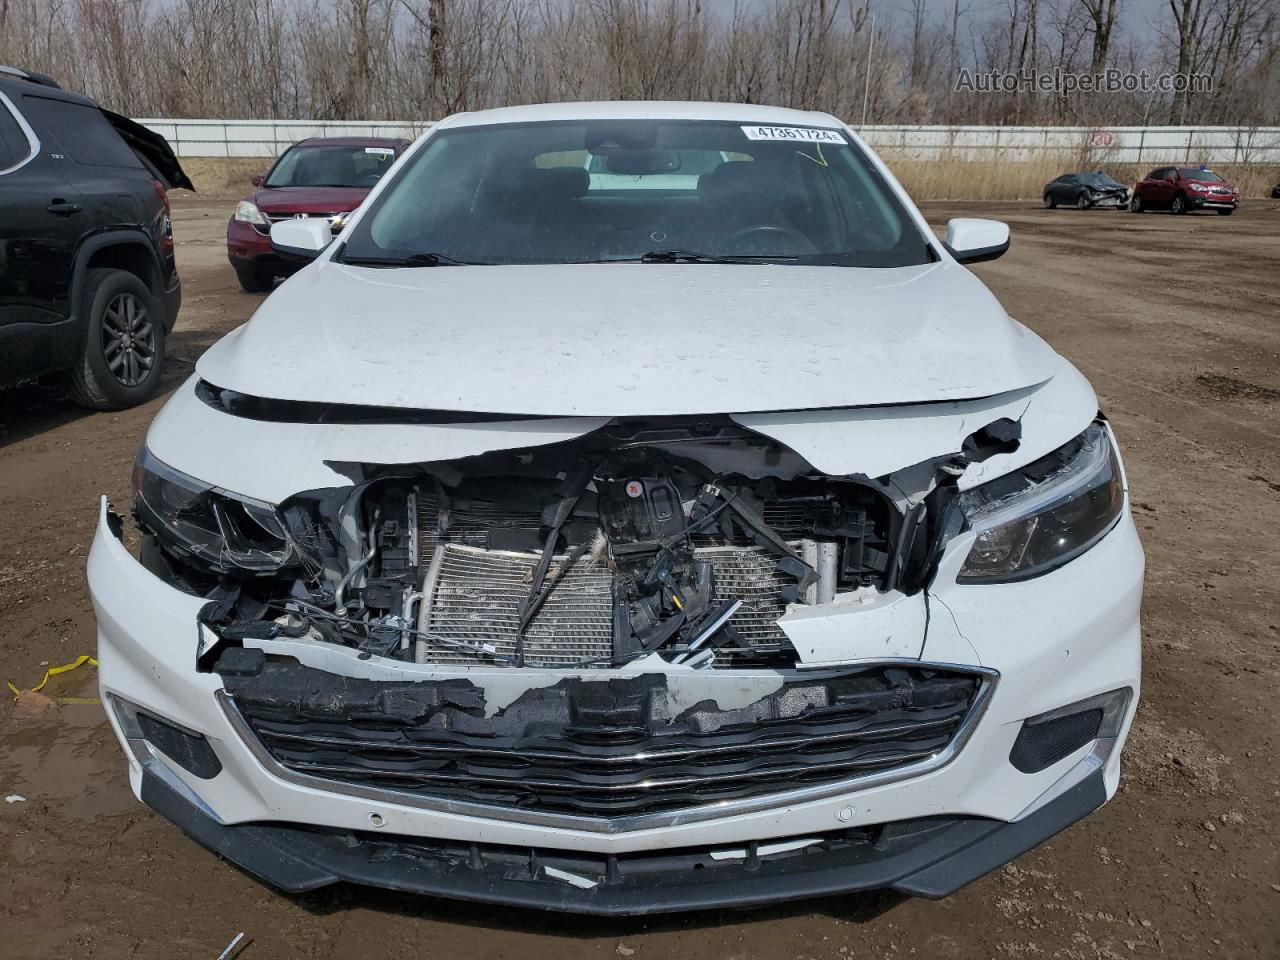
x: 1177, y: 323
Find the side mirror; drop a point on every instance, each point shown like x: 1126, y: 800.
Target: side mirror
x: 969, y: 240
x: 303, y: 239
x: 257, y: 179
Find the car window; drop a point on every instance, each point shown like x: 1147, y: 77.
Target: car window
x: 13, y: 142
x: 331, y: 165
x: 1067, y: 178
x: 586, y: 191
x: 1194, y: 173
x: 1157, y: 174
x: 81, y: 131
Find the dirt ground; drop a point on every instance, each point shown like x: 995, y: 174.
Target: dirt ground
x: 1177, y: 323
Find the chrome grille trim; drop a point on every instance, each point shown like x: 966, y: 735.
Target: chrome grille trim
x: 628, y: 824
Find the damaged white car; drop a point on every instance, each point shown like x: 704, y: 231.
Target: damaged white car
x: 635, y: 508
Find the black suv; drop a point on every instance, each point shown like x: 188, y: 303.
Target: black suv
x: 88, y: 285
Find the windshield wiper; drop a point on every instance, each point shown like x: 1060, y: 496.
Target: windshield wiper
x: 413, y: 260
x: 689, y: 256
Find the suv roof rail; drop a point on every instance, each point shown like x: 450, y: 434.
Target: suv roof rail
x: 32, y: 76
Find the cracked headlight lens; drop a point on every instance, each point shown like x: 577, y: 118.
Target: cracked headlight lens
x: 1035, y: 519
x: 210, y: 527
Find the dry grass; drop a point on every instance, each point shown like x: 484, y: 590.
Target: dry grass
x: 944, y: 179
x: 222, y: 176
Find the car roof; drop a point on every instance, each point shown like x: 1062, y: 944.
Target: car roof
x: 16, y: 86
x: 351, y: 141
x: 641, y: 110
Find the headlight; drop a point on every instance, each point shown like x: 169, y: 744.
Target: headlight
x: 219, y: 530
x: 246, y: 212
x: 1048, y: 513
x: 1199, y: 187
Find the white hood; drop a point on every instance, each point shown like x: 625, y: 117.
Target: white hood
x: 621, y: 340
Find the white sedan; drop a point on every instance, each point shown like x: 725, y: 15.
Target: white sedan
x: 635, y: 508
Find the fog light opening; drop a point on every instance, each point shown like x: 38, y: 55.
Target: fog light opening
x: 191, y: 751
x: 186, y: 748
x: 1049, y: 737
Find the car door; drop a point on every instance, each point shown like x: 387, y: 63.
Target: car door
x: 1148, y: 187
x: 38, y: 236
x: 1065, y: 188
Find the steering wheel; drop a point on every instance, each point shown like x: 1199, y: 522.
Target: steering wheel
x: 775, y: 231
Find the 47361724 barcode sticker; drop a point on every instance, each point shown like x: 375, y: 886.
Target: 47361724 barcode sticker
x: 794, y: 134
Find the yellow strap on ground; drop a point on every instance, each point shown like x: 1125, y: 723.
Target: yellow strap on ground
x: 79, y: 661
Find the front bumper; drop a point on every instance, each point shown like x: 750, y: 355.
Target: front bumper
x: 1211, y: 202
x: 929, y: 858
x: 1070, y: 635
x: 248, y: 249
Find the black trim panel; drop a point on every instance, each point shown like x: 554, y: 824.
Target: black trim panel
x: 934, y: 859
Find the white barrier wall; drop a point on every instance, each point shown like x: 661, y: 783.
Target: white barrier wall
x: 1226, y: 145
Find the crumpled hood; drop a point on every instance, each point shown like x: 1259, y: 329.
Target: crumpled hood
x: 621, y: 340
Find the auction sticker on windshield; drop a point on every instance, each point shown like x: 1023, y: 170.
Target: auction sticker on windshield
x: 795, y: 134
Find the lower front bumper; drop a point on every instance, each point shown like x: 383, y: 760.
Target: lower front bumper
x: 931, y: 857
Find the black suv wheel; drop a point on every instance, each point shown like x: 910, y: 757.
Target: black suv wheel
x: 122, y: 355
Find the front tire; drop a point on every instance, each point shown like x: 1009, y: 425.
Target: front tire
x: 1136, y: 205
x: 1179, y: 205
x: 122, y: 355
x: 1082, y: 202
x: 1049, y: 202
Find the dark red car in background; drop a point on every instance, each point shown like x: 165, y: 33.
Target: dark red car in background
x: 1183, y: 189
x: 326, y: 177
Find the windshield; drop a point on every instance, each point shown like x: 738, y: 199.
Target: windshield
x: 331, y: 166
x: 1099, y: 180
x: 590, y: 191
x: 1207, y: 176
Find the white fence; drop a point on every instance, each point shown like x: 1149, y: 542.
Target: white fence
x: 1224, y: 145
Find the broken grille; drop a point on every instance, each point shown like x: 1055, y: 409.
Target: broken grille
x: 477, y: 594
x: 602, y: 748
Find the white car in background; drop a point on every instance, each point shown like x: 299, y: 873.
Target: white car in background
x: 580, y: 533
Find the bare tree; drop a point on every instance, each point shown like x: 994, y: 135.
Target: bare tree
x: 1102, y: 18
x: 401, y: 59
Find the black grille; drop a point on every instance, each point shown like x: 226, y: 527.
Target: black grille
x: 600, y: 748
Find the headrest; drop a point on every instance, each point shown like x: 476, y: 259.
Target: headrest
x: 730, y: 181
x: 557, y: 183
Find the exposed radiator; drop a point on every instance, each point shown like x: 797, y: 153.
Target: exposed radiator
x: 476, y: 594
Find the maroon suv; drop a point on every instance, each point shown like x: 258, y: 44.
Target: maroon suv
x: 1182, y: 189
x: 327, y: 177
